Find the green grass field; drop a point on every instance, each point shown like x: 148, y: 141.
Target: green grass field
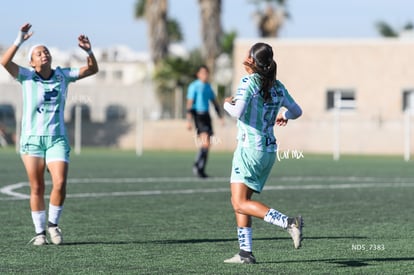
x: 148, y: 215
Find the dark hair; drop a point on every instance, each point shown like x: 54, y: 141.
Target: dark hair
x: 265, y: 66
x: 202, y: 67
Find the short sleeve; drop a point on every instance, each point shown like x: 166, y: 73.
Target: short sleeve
x: 191, y: 91
x: 24, y: 74
x: 71, y: 74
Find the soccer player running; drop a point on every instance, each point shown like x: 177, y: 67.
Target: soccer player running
x: 43, y: 142
x: 257, y: 106
x: 199, y: 96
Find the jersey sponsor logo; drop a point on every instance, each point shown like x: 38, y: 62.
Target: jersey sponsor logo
x: 50, y: 94
x: 43, y: 110
x: 49, y: 103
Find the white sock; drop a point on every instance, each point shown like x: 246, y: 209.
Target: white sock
x: 276, y: 218
x: 244, y: 235
x: 54, y: 213
x: 39, y: 221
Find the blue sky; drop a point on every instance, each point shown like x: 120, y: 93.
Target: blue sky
x: 110, y: 23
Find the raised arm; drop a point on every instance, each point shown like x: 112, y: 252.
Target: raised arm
x: 6, y: 60
x: 91, y: 63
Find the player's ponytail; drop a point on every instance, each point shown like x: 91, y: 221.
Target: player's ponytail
x: 265, y: 66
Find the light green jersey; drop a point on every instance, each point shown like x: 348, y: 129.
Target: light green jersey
x: 44, y: 101
x: 255, y: 125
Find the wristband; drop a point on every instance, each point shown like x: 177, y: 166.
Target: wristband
x: 19, y: 39
x: 89, y: 52
x: 284, y: 115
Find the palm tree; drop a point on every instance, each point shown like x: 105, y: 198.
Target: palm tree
x: 227, y: 42
x: 270, y: 19
x: 161, y: 32
x: 155, y: 13
x: 387, y: 30
x: 173, y: 77
x: 211, y: 31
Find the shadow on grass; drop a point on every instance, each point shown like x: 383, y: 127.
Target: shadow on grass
x: 189, y: 241
x: 346, y: 262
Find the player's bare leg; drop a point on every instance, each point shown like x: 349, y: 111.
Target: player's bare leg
x: 245, y: 208
x: 35, y: 167
x: 58, y: 171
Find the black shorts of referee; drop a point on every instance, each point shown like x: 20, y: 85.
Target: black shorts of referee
x: 202, y: 121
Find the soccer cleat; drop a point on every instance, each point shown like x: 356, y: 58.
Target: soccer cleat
x: 39, y: 240
x: 195, y: 170
x: 202, y: 174
x: 55, y: 234
x: 295, y: 231
x: 199, y: 172
x: 237, y: 259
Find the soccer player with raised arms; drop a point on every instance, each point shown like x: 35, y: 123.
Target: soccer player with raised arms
x: 257, y: 106
x: 43, y: 142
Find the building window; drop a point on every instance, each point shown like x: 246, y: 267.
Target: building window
x: 115, y: 112
x: 7, y: 114
x: 408, y: 100
x: 85, y: 112
x: 344, y: 99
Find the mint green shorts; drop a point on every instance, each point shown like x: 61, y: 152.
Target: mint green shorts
x: 51, y: 148
x: 251, y: 167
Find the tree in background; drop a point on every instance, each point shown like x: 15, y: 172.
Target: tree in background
x: 387, y: 30
x: 173, y: 78
x: 155, y: 13
x: 227, y: 42
x: 173, y: 73
x: 270, y: 19
x: 211, y: 31
x: 162, y: 31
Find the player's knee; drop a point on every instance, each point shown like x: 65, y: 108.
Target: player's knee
x: 37, y: 189
x: 59, y: 186
x: 238, y: 205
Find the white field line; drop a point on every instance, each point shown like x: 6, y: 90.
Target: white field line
x: 356, y: 182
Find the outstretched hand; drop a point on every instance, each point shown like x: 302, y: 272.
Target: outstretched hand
x: 84, y: 42
x: 23, y: 34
